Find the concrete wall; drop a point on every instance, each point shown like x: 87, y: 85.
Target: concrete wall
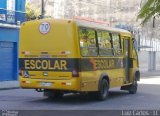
x: 146, y: 61
x: 157, y: 60
x: 143, y: 60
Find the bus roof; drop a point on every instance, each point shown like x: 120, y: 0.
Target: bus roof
x: 89, y: 25
x: 99, y: 26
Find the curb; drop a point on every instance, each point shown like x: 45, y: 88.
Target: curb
x: 150, y: 73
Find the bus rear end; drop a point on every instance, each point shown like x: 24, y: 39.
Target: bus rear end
x: 48, y: 55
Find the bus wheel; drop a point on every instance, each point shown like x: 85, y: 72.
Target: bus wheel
x: 133, y: 88
x: 53, y: 94
x: 103, y: 92
x: 58, y: 94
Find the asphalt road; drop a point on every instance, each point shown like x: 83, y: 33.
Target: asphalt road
x: 147, y: 98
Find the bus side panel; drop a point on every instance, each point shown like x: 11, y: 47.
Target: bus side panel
x: 94, y: 68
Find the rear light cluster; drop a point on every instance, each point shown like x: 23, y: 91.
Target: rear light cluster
x: 66, y: 83
x: 65, y: 52
x: 25, y: 52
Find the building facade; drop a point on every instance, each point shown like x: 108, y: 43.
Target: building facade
x: 120, y: 14
x: 12, y: 14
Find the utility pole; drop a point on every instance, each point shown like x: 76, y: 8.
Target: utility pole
x: 42, y: 9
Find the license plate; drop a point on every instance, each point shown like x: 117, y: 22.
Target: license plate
x: 46, y: 84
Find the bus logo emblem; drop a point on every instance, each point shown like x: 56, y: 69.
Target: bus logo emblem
x: 44, y: 28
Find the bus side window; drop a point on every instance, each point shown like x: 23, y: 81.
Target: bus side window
x: 116, y: 44
x: 87, y: 42
x: 122, y: 47
x: 104, y: 42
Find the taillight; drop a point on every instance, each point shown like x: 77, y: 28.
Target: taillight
x: 65, y: 52
x: 75, y: 73
x: 25, y: 52
x: 20, y: 72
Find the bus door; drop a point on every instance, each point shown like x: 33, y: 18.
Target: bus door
x: 126, y: 59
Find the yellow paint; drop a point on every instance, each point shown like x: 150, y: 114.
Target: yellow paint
x: 63, y: 36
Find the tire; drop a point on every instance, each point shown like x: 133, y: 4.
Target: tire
x: 53, y: 94
x: 103, y: 92
x: 58, y: 94
x: 133, y: 88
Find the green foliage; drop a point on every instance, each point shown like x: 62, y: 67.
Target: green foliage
x: 87, y: 32
x: 151, y: 8
x: 31, y: 12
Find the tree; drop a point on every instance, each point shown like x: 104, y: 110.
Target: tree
x: 150, y: 9
x: 31, y: 12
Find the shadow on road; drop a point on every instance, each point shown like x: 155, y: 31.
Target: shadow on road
x: 75, y: 99
x: 147, y: 97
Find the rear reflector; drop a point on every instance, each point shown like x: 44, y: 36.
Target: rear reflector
x: 66, y: 83
x: 25, y: 52
x: 66, y: 52
x: 27, y: 82
x: 63, y: 52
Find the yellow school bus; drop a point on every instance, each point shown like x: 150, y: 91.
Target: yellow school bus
x: 57, y: 56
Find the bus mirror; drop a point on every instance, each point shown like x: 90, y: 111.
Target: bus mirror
x: 135, y: 44
x: 133, y: 39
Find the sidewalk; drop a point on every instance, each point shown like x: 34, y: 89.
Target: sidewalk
x: 15, y: 84
x: 9, y: 84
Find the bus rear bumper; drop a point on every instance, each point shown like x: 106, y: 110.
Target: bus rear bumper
x: 70, y: 85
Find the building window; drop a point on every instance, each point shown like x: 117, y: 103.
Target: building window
x: 10, y: 11
x: 11, y: 5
